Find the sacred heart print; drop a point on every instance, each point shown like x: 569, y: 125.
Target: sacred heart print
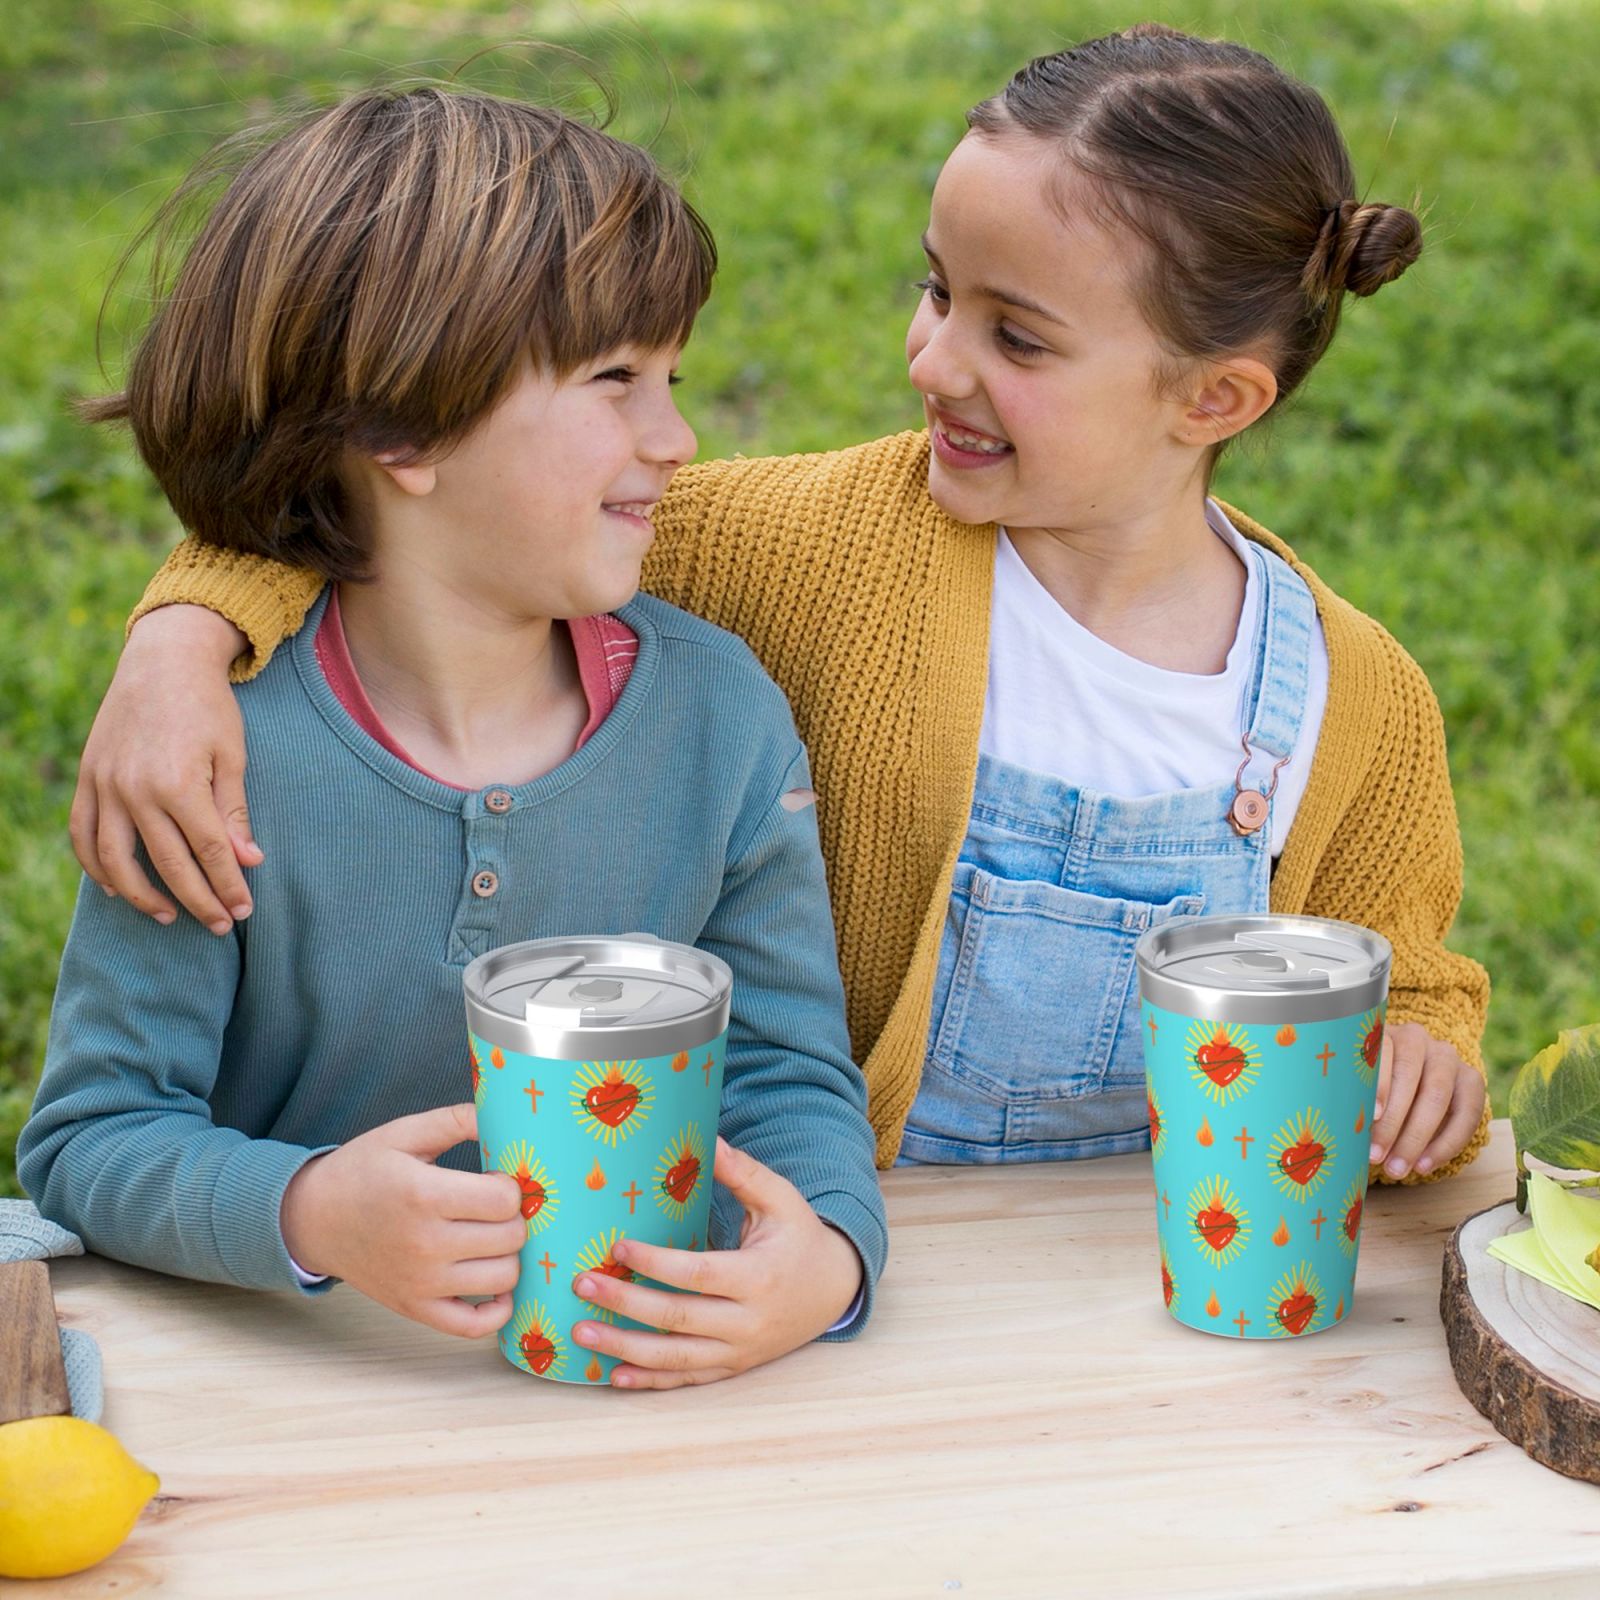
x: 604, y: 1154
x: 612, y: 1099
x: 680, y: 1172
x: 1260, y: 1183
x: 1223, y: 1060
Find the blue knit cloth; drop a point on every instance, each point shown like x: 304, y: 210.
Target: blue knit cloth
x: 189, y: 1077
x: 26, y: 1236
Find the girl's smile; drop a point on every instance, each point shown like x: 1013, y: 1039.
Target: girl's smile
x: 962, y: 446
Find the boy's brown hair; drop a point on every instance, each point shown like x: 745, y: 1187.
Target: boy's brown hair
x: 376, y: 279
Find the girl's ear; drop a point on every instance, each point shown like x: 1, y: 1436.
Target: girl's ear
x: 1235, y: 393
x: 409, y: 477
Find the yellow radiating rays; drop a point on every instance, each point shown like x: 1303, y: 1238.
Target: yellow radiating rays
x: 680, y: 1171
x: 1158, y: 1123
x: 1169, y: 1284
x: 534, y: 1344
x: 597, y: 1257
x: 1296, y: 1304
x: 540, y: 1201
x: 1301, y: 1152
x: 1369, y: 1042
x: 1223, y: 1059
x: 477, y: 1071
x: 1348, y: 1222
x: 612, y: 1099
x: 1218, y: 1221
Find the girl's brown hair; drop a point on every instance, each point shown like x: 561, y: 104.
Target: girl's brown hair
x: 375, y: 279
x: 1233, y: 173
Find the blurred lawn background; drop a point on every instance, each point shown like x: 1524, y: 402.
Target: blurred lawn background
x: 1438, y: 470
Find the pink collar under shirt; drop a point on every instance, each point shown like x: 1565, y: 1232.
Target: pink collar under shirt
x: 606, y: 648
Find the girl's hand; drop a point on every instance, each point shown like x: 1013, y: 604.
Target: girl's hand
x: 165, y: 761
x: 1429, y: 1101
x: 790, y: 1279
x: 413, y: 1236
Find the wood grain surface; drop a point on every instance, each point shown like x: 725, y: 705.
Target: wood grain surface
x: 1021, y: 1419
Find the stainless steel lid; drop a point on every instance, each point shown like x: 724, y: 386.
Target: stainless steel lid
x: 1263, y: 968
x: 613, y: 998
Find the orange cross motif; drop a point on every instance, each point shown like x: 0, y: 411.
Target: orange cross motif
x: 1150, y: 1023
x: 1166, y: 1202
x: 1241, y: 1322
x: 1317, y: 1221
x: 548, y: 1265
x: 710, y: 1063
x: 534, y: 1094
x: 631, y: 1195
x: 1325, y: 1055
x: 1244, y: 1140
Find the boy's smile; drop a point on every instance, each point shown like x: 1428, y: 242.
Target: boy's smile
x: 543, y: 508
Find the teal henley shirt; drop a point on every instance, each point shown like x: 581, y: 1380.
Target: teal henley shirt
x: 188, y: 1077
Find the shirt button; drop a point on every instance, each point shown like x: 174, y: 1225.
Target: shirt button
x: 485, y: 884
x: 497, y: 801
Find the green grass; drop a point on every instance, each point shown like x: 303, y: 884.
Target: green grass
x: 1437, y: 470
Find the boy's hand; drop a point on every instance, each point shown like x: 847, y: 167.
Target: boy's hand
x: 412, y: 1236
x: 790, y: 1279
x: 165, y: 763
x: 1429, y: 1101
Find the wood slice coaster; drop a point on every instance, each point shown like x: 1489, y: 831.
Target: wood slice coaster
x: 1527, y: 1356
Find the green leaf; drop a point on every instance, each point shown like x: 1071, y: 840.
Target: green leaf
x: 1555, y: 1102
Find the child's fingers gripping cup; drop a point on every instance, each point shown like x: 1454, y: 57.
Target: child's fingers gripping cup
x: 1261, y: 1043
x: 597, y: 1074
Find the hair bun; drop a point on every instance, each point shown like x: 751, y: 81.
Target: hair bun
x: 1361, y: 248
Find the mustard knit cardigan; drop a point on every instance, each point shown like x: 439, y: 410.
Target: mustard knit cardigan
x: 870, y: 607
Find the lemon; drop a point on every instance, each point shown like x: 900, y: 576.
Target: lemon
x: 69, y: 1495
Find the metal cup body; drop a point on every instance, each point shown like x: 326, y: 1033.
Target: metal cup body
x: 1261, y: 1105
x: 609, y: 1132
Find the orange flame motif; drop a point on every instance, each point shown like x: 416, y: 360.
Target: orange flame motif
x: 596, y: 1179
x: 1361, y: 1120
x: 1338, y: 1310
x: 1205, y: 1135
x: 680, y: 1062
x: 592, y: 1371
x: 1286, y: 1034
x: 497, y: 1057
x: 1213, y: 1305
x: 1281, y: 1237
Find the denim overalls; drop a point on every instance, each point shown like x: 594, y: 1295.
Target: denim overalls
x: 1034, y: 1049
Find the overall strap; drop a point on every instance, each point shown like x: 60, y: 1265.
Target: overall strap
x: 1277, y: 697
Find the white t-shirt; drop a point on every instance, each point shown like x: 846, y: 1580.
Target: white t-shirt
x: 1064, y: 702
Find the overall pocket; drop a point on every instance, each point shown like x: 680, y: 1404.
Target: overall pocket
x: 1042, y: 1002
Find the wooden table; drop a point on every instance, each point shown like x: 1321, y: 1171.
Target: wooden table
x: 1022, y: 1419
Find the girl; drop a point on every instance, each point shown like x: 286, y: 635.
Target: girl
x: 1054, y: 692
x: 423, y: 345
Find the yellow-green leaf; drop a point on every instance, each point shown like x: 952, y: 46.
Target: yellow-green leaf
x: 1555, y: 1102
